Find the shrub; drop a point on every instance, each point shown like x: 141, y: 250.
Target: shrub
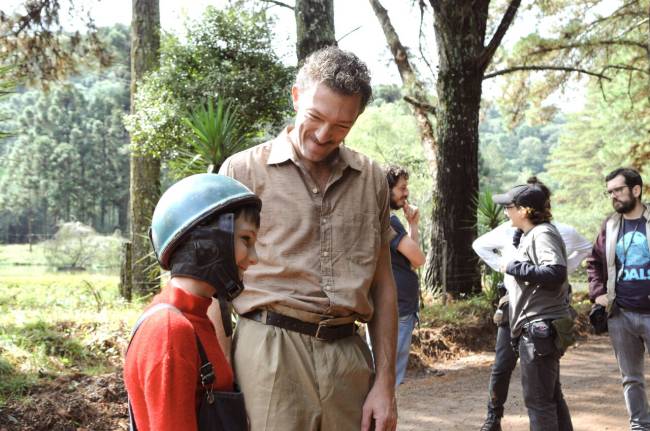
x: 76, y: 246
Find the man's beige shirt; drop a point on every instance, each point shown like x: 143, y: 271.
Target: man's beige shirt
x: 317, y: 249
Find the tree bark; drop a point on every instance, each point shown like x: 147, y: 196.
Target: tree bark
x: 314, y: 26
x: 460, y: 27
x: 145, y: 169
x: 412, y: 86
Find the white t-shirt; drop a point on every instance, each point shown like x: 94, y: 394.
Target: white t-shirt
x: 495, y: 248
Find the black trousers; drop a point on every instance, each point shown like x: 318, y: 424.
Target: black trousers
x: 505, y: 361
x: 543, y: 396
x: 540, y: 380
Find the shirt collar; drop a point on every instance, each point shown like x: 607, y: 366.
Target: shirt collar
x: 282, y: 150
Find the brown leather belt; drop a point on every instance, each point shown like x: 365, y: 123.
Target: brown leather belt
x: 319, y: 331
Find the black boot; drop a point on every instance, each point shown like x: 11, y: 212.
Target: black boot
x: 492, y: 423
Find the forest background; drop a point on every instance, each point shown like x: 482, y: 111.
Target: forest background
x: 566, y: 97
x: 67, y: 158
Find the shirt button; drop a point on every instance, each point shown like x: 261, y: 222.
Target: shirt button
x: 325, y: 254
x: 324, y: 220
x: 314, y: 190
x: 327, y: 287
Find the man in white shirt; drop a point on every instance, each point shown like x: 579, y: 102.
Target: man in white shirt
x: 496, y: 248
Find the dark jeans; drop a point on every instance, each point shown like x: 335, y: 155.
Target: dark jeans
x: 540, y: 380
x: 505, y: 361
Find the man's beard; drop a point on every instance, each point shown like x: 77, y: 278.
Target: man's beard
x: 624, y: 207
x: 393, y: 204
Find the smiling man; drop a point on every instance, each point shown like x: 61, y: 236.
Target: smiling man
x: 618, y: 279
x: 324, y: 264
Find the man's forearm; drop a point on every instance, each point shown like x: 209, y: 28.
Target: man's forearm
x: 414, y: 232
x: 383, y: 333
x: 383, y: 326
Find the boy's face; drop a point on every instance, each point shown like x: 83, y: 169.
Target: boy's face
x: 245, y: 238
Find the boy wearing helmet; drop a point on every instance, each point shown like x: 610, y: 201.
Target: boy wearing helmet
x: 203, y: 230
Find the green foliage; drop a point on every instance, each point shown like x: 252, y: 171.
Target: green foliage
x: 458, y: 313
x: 509, y: 157
x: 386, y: 93
x: 68, y: 159
x: 489, y: 216
x: 22, y: 254
x: 7, y: 87
x: 581, y: 35
x: 387, y: 133
x: 595, y: 142
x: 215, y: 135
x: 77, y: 246
x: 228, y: 53
x: 58, y: 323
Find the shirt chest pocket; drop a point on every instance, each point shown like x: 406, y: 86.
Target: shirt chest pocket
x: 356, y: 237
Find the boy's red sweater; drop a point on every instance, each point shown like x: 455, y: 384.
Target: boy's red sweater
x: 161, y: 371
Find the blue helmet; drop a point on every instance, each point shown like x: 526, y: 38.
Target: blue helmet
x: 190, y: 202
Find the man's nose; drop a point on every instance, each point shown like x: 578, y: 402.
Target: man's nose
x: 323, y: 133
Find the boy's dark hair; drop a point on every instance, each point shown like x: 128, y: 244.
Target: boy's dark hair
x: 632, y: 178
x: 250, y: 213
x: 394, y: 173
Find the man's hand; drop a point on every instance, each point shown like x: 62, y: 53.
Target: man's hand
x: 379, y: 410
x: 601, y: 300
x: 411, y: 213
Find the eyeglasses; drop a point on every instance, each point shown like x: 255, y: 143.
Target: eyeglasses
x: 614, y: 192
x: 507, y: 207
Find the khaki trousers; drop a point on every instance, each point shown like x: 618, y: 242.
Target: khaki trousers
x: 294, y: 382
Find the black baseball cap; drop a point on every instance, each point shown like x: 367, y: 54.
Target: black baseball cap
x: 525, y: 195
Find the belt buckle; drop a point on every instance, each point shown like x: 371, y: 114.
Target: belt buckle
x: 317, y: 334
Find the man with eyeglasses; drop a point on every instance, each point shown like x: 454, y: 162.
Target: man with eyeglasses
x: 619, y: 279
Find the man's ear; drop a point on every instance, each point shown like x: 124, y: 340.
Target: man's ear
x: 636, y: 191
x: 295, y: 95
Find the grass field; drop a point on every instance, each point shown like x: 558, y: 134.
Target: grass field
x: 53, y: 323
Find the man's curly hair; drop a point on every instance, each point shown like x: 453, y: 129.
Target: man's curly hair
x: 394, y: 173
x: 342, y: 71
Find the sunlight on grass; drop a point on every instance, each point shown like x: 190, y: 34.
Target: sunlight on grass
x: 53, y: 323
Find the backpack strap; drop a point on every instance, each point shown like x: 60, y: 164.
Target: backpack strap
x: 206, y: 370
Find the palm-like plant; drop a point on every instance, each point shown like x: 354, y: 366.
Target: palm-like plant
x: 215, y: 134
x: 490, y: 216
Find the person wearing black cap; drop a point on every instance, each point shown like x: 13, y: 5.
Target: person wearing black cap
x: 495, y: 248
x: 539, y: 305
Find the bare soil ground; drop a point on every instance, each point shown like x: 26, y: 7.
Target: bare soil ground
x: 457, y: 400
x: 451, y: 396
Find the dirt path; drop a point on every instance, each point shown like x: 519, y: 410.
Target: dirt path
x: 457, y: 400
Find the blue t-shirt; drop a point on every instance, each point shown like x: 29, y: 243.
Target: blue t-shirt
x: 408, y: 286
x: 633, y: 266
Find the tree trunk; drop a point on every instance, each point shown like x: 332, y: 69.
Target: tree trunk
x: 454, y: 205
x: 145, y: 170
x: 314, y: 26
x: 460, y: 33
x: 125, y: 272
x: 412, y: 86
